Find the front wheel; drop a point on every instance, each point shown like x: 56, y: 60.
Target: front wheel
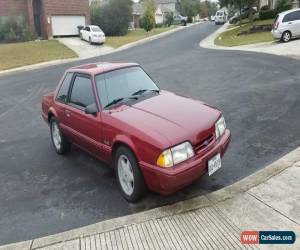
x: 60, y: 143
x: 129, y: 176
x: 286, y: 36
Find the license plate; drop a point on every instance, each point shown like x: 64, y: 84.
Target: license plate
x: 214, y: 164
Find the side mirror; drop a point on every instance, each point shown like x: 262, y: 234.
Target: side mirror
x: 91, y: 109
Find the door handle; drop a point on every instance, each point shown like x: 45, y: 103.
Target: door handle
x: 67, y: 113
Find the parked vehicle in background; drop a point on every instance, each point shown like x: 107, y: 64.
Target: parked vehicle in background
x: 234, y: 19
x: 287, y: 25
x: 212, y: 18
x: 153, y: 138
x: 179, y: 19
x: 220, y: 17
x: 92, y: 34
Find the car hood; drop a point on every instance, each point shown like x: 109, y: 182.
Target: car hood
x: 174, y: 117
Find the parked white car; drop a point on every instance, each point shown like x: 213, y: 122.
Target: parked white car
x: 92, y: 34
x: 287, y: 25
x: 220, y: 17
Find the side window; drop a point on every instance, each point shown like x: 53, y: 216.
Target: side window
x: 297, y: 15
x: 64, y: 88
x: 88, y: 29
x: 287, y: 18
x: 82, y: 92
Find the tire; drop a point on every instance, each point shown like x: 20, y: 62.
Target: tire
x: 129, y: 176
x: 81, y: 37
x: 286, y: 36
x: 90, y: 41
x: 59, y: 141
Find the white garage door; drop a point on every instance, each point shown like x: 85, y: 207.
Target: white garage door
x: 66, y: 25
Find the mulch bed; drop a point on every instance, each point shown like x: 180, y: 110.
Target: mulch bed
x: 257, y: 29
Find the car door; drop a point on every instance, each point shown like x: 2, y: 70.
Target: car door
x: 62, y: 99
x: 290, y: 22
x: 296, y: 20
x: 87, y: 33
x: 84, y: 33
x: 84, y: 129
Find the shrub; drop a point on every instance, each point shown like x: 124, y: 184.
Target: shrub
x: 169, y: 19
x: 190, y: 19
x: 148, y: 18
x: 113, y: 18
x: 13, y: 29
x: 282, y: 5
x: 265, y: 7
x: 267, y: 14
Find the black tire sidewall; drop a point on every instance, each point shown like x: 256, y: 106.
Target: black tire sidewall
x: 139, y: 184
x: 65, y: 145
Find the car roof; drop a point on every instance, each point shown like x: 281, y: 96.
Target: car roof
x: 100, y: 67
x: 288, y: 11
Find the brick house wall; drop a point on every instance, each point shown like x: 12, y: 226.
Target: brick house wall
x: 63, y: 7
x: 13, y: 8
x: 46, y: 8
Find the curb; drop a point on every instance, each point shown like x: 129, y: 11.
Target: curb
x: 208, y: 43
x: 124, y: 47
x: 183, y: 206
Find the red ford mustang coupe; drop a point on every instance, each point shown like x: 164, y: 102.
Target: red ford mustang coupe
x: 153, y: 138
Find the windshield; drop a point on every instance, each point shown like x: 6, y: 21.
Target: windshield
x: 96, y: 29
x: 123, y: 83
x: 219, y: 13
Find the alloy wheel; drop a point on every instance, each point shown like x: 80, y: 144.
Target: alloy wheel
x: 56, y: 136
x: 125, y: 174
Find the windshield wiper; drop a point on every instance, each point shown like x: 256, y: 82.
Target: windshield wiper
x: 141, y: 91
x: 118, y: 100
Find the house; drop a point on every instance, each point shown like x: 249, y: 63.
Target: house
x: 272, y: 3
x: 162, y: 9
x: 48, y: 18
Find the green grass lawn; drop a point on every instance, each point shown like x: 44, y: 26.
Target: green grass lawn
x: 231, y: 38
x: 133, y: 35
x: 20, y: 54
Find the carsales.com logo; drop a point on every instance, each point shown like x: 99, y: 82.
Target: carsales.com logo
x: 268, y: 237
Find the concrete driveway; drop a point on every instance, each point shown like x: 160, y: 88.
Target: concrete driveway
x: 83, y: 49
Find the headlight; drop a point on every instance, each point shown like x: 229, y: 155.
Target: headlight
x: 175, y: 155
x: 220, y: 127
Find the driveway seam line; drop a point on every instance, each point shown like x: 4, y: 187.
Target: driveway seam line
x: 255, y: 197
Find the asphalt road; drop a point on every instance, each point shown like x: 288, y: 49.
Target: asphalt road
x: 43, y: 193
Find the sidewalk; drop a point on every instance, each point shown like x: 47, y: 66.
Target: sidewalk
x: 266, y: 200
x: 290, y: 49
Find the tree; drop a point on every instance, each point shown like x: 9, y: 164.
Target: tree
x: 149, y: 16
x: 190, y: 8
x: 113, y: 18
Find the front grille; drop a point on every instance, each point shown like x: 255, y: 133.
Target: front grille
x: 204, y: 143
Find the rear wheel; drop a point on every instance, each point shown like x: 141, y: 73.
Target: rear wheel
x: 286, y: 36
x: 59, y: 141
x: 90, y: 40
x: 129, y: 176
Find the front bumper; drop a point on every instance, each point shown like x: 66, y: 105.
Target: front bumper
x: 170, y: 180
x: 276, y: 34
